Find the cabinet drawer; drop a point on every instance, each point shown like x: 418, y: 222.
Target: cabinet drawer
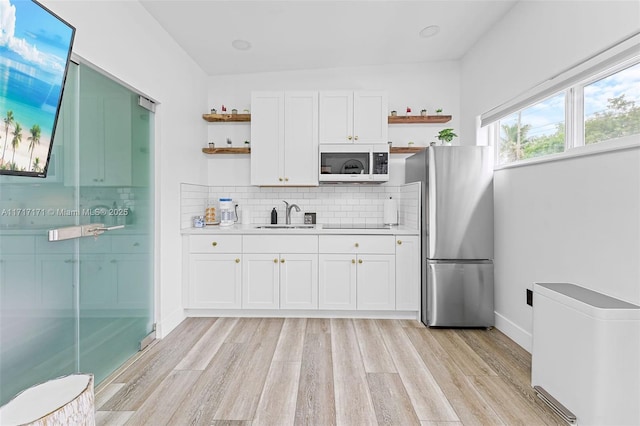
x: 215, y: 244
x: 17, y: 244
x: 373, y: 244
x: 280, y: 244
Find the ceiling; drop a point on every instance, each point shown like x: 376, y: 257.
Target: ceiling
x: 310, y: 34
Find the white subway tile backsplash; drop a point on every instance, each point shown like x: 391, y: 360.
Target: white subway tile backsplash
x: 332, y: 204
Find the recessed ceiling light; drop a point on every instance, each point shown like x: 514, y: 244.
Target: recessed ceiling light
x: 241, y: 44
x: 429, y: 31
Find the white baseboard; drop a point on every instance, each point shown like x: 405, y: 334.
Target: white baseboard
x: 169, y: 322
x: 514, y: 332
x: 303, y: 313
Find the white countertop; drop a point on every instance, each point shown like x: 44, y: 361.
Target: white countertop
x: 316, y: 230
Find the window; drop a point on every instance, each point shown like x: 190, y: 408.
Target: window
x: 594, y: 107
x: 612, y: 106
x: 534, y: 131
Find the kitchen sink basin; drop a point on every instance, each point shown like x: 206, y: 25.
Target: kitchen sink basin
x: 285, y: 227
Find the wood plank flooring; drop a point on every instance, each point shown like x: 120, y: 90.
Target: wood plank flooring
x: 351, y: 372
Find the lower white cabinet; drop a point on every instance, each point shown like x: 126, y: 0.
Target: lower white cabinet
x: 214, y: 274
x: 337, y: 281
x: 286, y: 277
x: 299, y: 281
x: 362, y: 282
x: 376, y: 282
x: 303, y: 272
x: 408, y: 269
x: 215, y: 280
x: 357, y: 272
x: 261, y: 281
x: 280, y: 281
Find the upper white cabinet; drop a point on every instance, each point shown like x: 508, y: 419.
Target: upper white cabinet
x: 284, y: 138
x: 105, y: 140
x: 353, y: 117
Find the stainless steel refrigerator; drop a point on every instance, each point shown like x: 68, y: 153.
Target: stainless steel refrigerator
x: 457, y: 234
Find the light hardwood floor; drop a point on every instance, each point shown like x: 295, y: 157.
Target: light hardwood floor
x: 296, y: 371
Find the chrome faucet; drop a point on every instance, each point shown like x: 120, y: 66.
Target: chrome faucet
x: 288, y: 210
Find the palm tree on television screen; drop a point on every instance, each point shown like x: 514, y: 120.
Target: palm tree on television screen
x: 34, y: 140
x: 15, y: 142
x: 8, y: 121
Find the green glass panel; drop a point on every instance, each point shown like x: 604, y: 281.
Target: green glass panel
x: 38, y: 280
x: 115, y: 297
x: 81, y: 304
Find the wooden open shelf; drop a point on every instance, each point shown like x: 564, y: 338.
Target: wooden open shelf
x: 405, y: 149
x: 226, y: 150
x: 226, y: 118
x: 415, y: 119
x: 392, y: 150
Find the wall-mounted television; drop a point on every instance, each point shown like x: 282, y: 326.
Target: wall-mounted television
x: 35, y: 48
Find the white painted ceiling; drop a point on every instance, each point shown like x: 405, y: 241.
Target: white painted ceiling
x: 310, y: 34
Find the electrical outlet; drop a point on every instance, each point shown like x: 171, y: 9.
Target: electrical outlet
x: 529, y: 297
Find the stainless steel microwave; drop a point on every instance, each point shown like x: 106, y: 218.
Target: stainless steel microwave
x: 367, y: 163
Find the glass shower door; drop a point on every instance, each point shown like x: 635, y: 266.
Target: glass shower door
x: 81, y: 304
x: 115, y: 292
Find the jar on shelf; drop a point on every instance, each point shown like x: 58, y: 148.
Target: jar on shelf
x: 210, y: 213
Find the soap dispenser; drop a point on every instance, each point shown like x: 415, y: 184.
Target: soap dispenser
x: 274, y: 216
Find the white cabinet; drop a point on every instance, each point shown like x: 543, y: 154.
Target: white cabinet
x: 105, y: 140
x: 357, y: 272
x: 280, y: 272
x: 214, y: 278
x: 408, y: 267
x: 353, y: 117
x: 302, y: 272
x: 284, y: 138
x: 376, y: 280
x: 33, y: 277
x: 337, y: 281
x: 57, y: 275
x: 261, y: 281
x: 298, y: 281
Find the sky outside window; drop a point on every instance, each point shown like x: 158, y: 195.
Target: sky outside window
x: 612, y: 106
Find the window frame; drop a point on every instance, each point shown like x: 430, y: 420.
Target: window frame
x: 573, y: 81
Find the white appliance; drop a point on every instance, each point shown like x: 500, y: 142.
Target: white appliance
x: 585, y: 361
x: 352, y: 162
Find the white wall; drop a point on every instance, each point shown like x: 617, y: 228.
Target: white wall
x: 574, y: 220
x: 122, y: 39
x: 427, y: 85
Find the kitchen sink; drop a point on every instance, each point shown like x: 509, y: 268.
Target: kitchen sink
x: 285, y: 227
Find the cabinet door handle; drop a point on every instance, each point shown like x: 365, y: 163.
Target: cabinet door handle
x: 237, y: 260
x: 286, y: 179
x: 136, y: 244
x: 281, y: 260
x: 275, y: 260
x: 215, y: 243
x: 359, y: 260
x: 349, y: 137
x: 356, y: 138
x: 353, y: 261
x: 280, y: 179
x: 357, y: 245
x: 399, y: 242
